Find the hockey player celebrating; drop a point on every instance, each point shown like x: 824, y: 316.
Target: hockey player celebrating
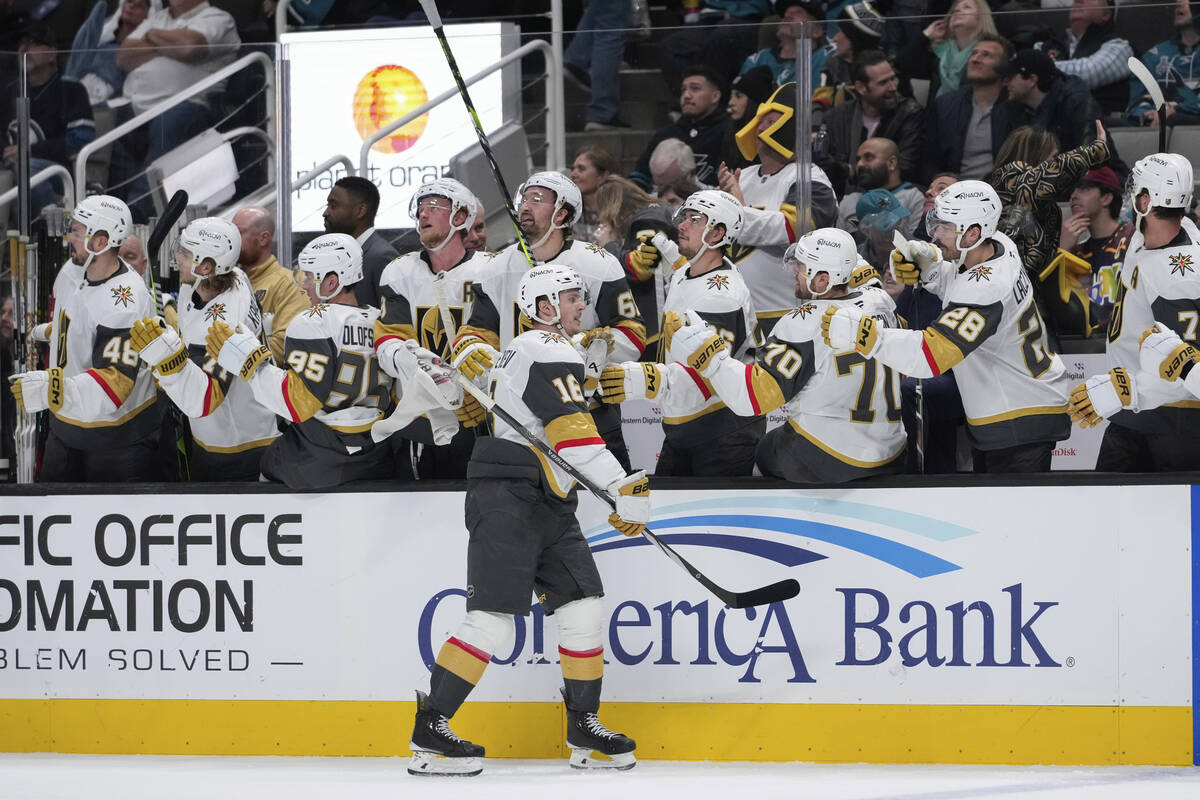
x: 1013, y: 388
x: 332, y: 389
x: 702, y: 435
x: 417, y: 289
x: 769, y: 191
x: 1158, y: 283
x: 230, y: 429
x: 549, y: 204
x: 520, y: 511
x: 105, y: 419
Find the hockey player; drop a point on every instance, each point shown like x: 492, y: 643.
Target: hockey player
x: 1159, y: 282
x: 769, y: 191
x: 990, y: 332
x: 331, y: 389
x: 520, y: 510
x: 702, y: 436
x: 416, y: 289
x: 104, y: 423
x: 230, y: 429
x: 275, y: 289
x: 549, y: 204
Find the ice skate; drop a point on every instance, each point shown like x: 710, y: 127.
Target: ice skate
x: 594, y: 746
x: 437, y: 750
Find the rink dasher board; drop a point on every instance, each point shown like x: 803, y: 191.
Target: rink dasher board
x: 956, y: 624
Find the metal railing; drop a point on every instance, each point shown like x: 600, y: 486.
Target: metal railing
x: 324, y: 166
x: 42, y: 176
x: 154, y: 111
x: 555, y: 120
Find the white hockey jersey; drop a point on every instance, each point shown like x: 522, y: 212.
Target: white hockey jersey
x: 224, y: 416
x: 1014, y: 390
x: 769, y: 225
x: 410, y: 302
x: 496, y: 318
x: 108, y: 397
x: 1160, y: 285
x: 722, y: 298
x: 66, y: 284
x: 332, y: 386
x: 538, y: 379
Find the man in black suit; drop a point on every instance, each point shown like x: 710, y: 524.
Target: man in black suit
x: 350, y: 208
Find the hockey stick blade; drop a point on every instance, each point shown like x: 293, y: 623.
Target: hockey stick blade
x: 1143, y: 74
x: 171, y: 213
x: 775, y: 592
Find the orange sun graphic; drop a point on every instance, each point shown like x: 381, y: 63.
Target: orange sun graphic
x: 386, y: 94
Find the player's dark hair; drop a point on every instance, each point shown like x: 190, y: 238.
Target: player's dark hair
x: 1009, y: 52
x: 1162, y: 212
x: 363, y: 191
x: 221, y: 283
x: 709, y: 74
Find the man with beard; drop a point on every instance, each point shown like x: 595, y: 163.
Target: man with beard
x: 878, y: 167
x: 104, y: 423
x: 548, y: 205
x: 702, y: 437
x: 879, y: 111
x: 350, y: 208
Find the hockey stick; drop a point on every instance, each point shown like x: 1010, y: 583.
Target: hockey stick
x: 774, y: 593
x: 1142, y: 73
x: 901, y: 244
x: 435, y: 19
x: 173, y: 211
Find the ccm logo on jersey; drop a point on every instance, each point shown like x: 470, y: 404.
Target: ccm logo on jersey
x: 56, y: 388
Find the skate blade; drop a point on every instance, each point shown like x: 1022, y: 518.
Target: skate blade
x: 594, y: 759
x: 435, y: 765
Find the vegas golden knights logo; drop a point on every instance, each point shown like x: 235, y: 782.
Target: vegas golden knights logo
x: 64, y: 323
x: 432, y: 334
x: 521, y: 323
x: 738, y: 252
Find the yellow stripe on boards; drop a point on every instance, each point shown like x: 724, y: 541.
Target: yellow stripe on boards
x: 891, y: 734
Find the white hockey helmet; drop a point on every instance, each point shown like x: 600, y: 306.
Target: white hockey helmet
x: 460, y: 197
x: 566, y: 194
x: 963, y: 205
x: 1167, y: 177
x: 210, y: 238
x: 828, y: 250
x: 102, y: 213
x: 546, y: 280
x: 721, y: 208
x: 332, y: 252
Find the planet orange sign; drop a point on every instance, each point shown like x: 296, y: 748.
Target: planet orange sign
x: 384, y: 95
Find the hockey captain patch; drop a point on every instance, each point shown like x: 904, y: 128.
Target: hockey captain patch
x: 122, y: 295
x: 1181, y: 264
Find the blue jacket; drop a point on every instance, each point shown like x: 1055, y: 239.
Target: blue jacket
x: 946, y: 125
x: 1177, y: 72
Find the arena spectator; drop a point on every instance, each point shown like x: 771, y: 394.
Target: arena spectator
x: 702, y: 127
x: 170, y: 51
x: 593, y: 59
x: 941, y: 52
x: 1055, y: 102
x: 476, y: 240
x: 1175, y: 64
x: 877, y: 111
x: 859, y: 29
x: 878, y: 167
x: 780, y: 60
x: 725, y: 33
x: 874, y: 218
x: 1081, y: 281
x: 674, y: 193
x: 59, y: 111
x: 966, y: 127
x: 350, y: 208
x: 1091, y: 49
x: 746, y: 92
x: 93, y: 59
x: 616, y: 203
x: 1030, y: 175
x: 672, y: 161
x: 275, y: 290
x: 592, y: 167
x: 939, y: 182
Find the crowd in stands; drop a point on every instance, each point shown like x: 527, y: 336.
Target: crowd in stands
x: 900, y: 110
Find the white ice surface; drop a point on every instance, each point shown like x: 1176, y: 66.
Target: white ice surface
x: 75, y: 777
